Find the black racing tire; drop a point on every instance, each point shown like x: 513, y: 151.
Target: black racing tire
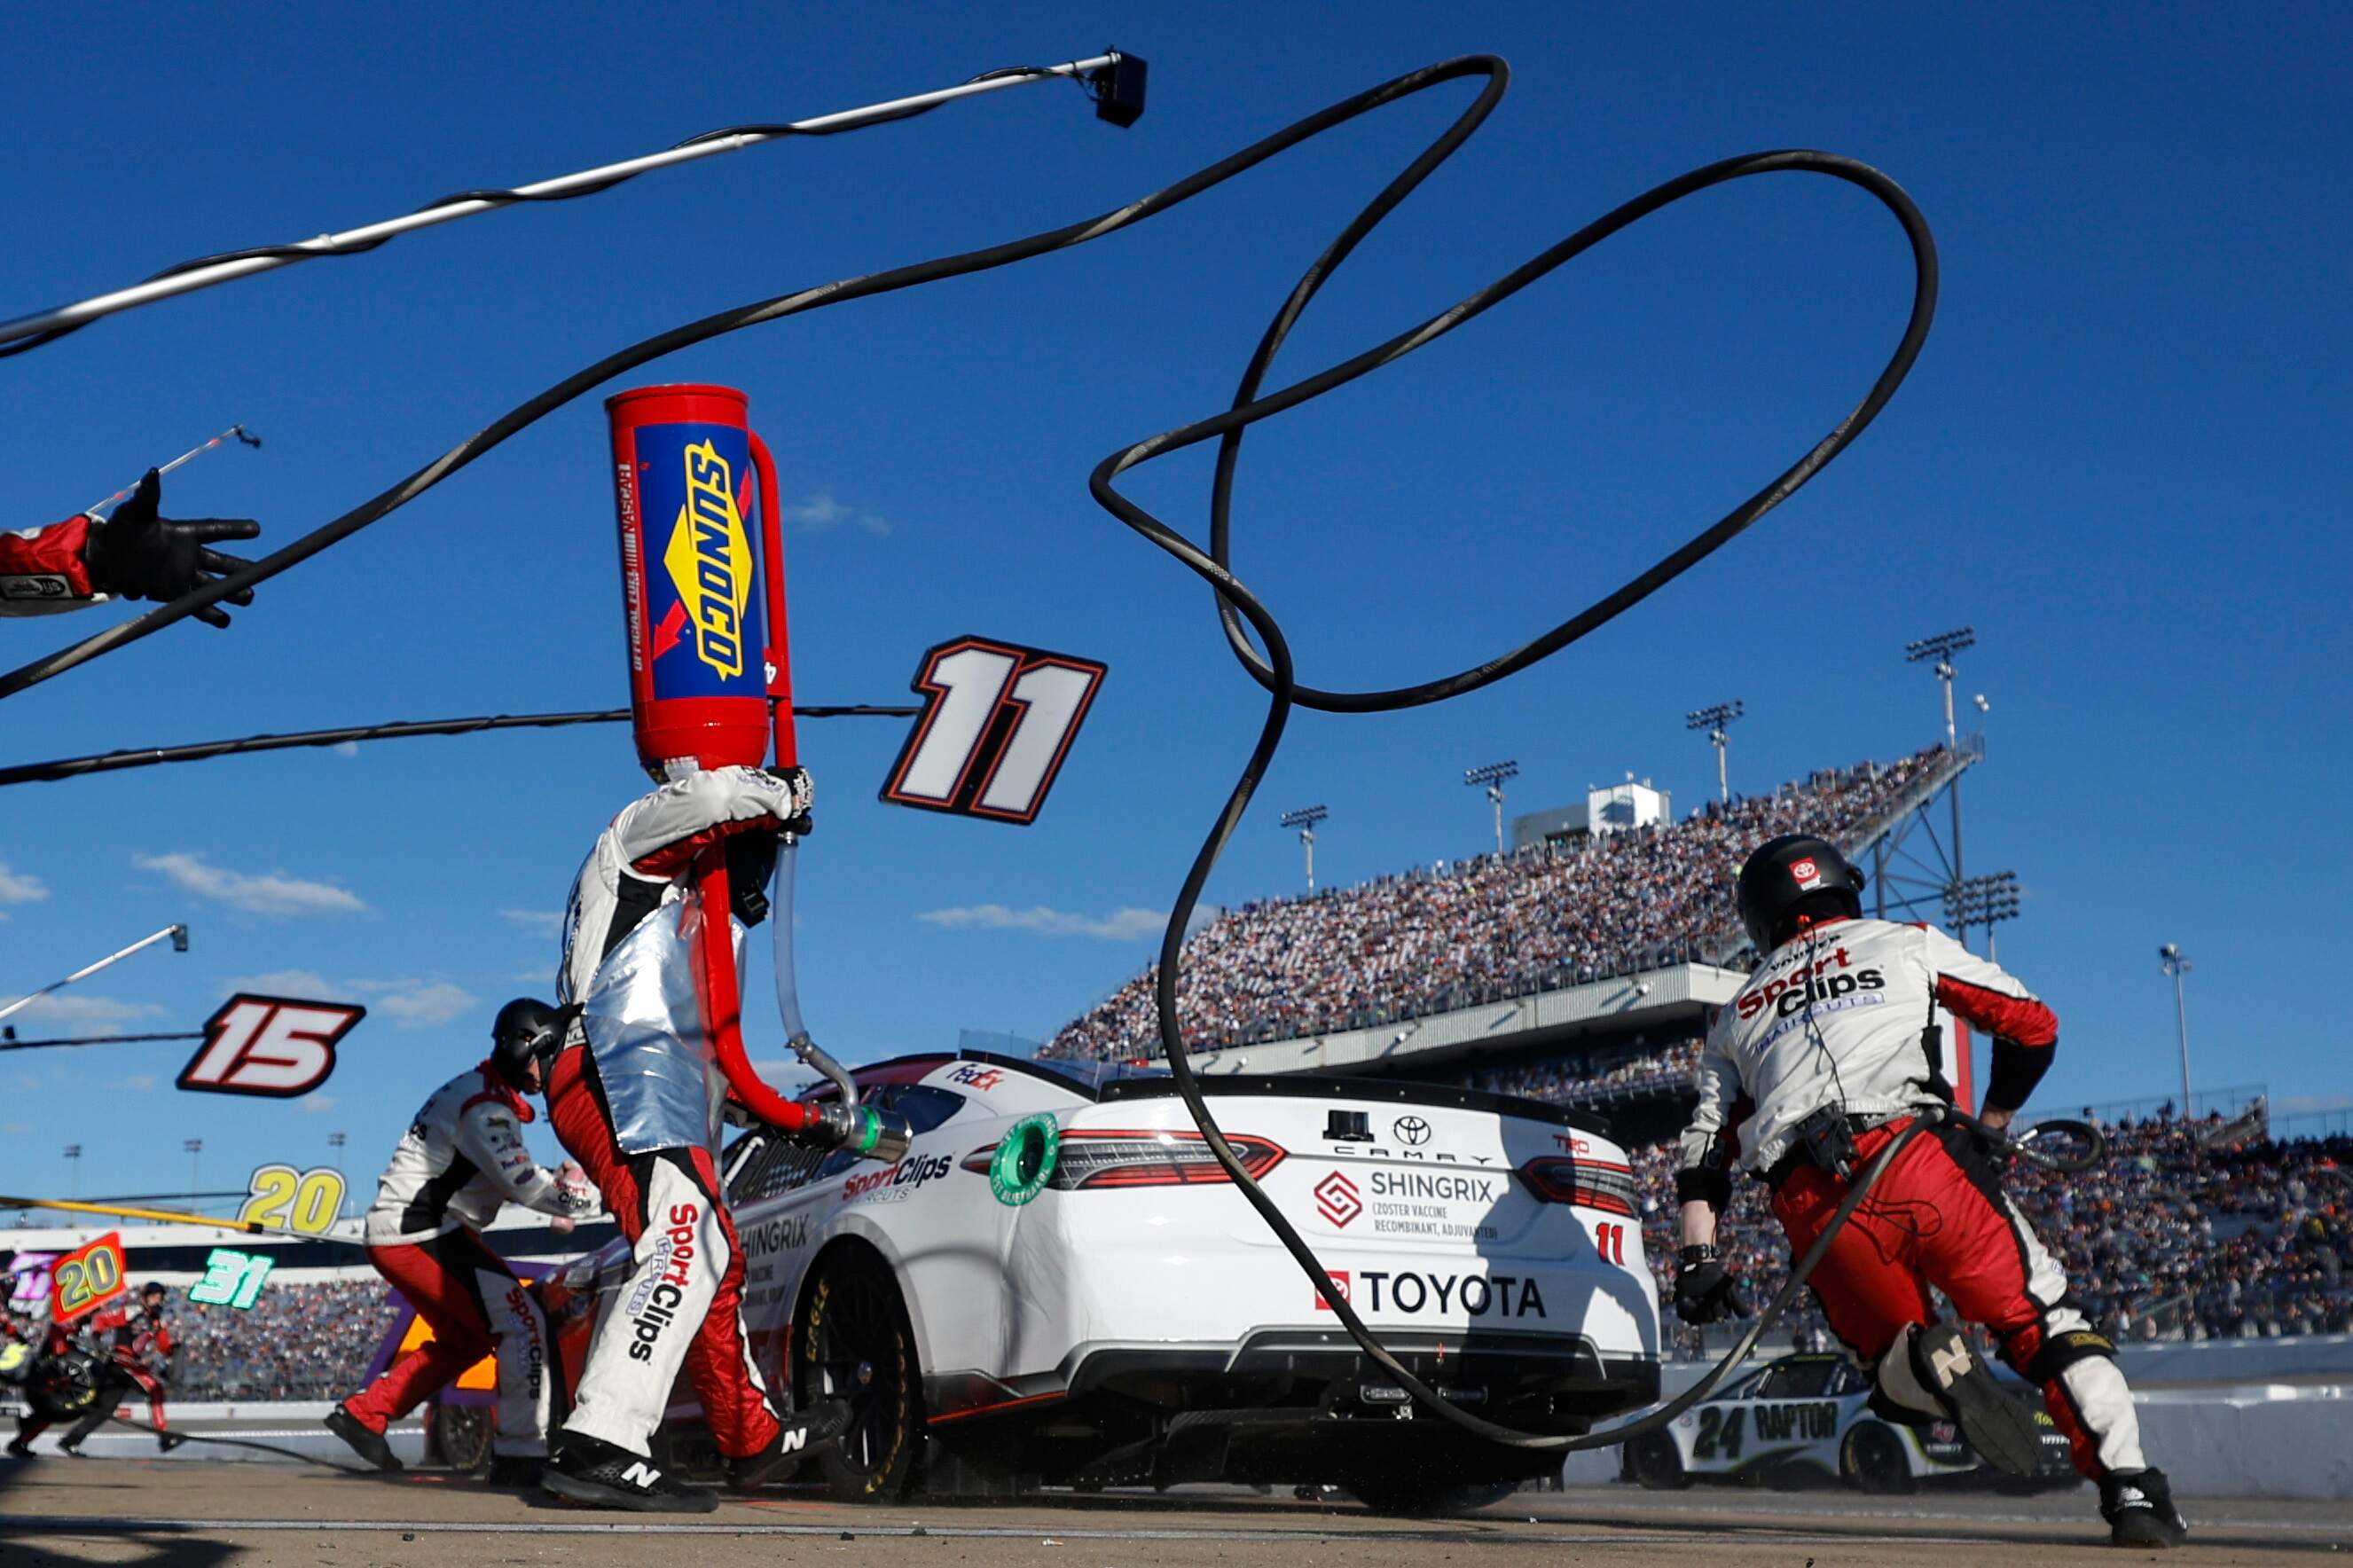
x: 1871, y: 1460
x: 1417, y: 1497
x: 851, y: 1342
x: 1657, y: 1464
x: 63, y: 1386
x: 461, y: 1435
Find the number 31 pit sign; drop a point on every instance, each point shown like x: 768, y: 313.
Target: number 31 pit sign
x: 269, y: 1045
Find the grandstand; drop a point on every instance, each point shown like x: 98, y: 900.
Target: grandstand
x: 1588, y: 956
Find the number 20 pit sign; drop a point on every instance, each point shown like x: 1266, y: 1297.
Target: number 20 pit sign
x: 272, y: 1046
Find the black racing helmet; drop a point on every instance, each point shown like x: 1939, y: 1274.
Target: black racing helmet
x: 1796, y: 874
x: 526, y: 1030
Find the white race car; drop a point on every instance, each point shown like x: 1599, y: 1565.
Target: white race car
x: 1058, y: 1285
x: 1808, y: 1417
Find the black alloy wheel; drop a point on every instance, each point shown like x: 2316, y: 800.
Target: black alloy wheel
x: 1871, y: 1459
x: 852, y: 1343
x: 1658, y: 1464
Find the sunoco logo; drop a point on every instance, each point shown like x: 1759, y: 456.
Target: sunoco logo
x: 709, y: 561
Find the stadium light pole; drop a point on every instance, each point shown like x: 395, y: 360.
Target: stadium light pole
x: 2172, y: 961
x: 1305, y: 819
x: 1492, y: 775
x: 1712, y: 720
x: 194, y: 1148
x: 1985, y: 900
x: 73, y: 1164
x: 336, y: 1154
x: 1941, y: 648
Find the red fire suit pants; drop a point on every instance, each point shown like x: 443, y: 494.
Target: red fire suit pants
x: 1938, y: 1217
x: 476, y: 1305
x: 682, y: 1301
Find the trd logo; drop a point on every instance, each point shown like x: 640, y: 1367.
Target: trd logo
x: 269, y: 1045
x: 1338, y: 1201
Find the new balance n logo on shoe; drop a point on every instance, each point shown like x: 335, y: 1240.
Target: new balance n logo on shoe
x: 642, y: 1475
x: 1951, y: 1363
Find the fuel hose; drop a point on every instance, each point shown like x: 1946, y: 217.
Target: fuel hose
x: 1272, y: 668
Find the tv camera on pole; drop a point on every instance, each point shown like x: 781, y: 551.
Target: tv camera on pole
x: 1492, y: 775
x: 1305, y: 819
x: 2175, y: 963
x: 1712, y: 720
x: 1984, y: 902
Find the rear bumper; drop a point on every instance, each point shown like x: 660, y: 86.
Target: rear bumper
x: 1548, y: 1381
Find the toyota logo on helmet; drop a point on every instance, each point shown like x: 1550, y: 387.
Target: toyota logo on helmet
x: 1792, y: 877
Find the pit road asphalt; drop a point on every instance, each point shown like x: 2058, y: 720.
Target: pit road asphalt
x: 56, y: 1512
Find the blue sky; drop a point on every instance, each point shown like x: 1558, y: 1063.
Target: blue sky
x: 2122, y: 458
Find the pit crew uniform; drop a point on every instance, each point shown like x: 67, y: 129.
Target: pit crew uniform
x: 134, y: 1344
x: 1849, y: 1013
x: 459, y: 1163
x: 42, y: 570
x: 637, y: 1113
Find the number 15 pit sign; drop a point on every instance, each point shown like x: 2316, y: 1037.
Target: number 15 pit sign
x: 272, y: 1046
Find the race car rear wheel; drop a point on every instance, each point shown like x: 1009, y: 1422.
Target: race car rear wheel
x: 852, y: 1343
x: 1871, y: 1459
x: 1658, y: 1465
x: 461, y: 1435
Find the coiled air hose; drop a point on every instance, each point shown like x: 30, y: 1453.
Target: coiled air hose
x: 1274, y: 669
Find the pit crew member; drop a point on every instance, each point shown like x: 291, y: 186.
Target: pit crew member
x: 133, y: 1346
x: 460, y: 1162
x: 631, y: 1102
x: 131, y: 554
x: 1827, y: 1054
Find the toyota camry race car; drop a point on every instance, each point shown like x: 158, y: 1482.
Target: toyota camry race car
x: 1805, y: 1418
x: 1057, y: 1284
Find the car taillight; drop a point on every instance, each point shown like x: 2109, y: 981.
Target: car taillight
x: 1586, y: 1184
x: 1091, y: 1160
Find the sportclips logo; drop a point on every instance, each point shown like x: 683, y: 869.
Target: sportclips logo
x: 1828, y: 979
x: 709, y: 561
x: 894, y: 1183
x: 658, y: 1294
x: 534, y: 1364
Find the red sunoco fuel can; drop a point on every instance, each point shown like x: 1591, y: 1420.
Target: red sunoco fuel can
x: 691, y: 574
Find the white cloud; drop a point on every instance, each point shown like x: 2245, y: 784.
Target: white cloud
x: 414, y: 1004
x: 271, y: 893
x: 302, y: 984
x: 318, y: 1104
x: 20, y: 887
x: 538, y: 922
x: 16, y: 1128
x: 2309, y: 1104
x: 137, y: 1083
x: 1120, y: 925
x: 822, y: 511
x: 347, y: 748
x: 409, y: 1002
x: 66, y: 1007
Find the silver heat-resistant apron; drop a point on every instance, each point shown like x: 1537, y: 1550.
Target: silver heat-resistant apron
x: 645, y: 1030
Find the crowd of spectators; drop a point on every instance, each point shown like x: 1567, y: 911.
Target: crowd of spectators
x: 1589, y: 1081
x: 2167, y: 1239
x: 1469, y: 931
x: 298, y: 1340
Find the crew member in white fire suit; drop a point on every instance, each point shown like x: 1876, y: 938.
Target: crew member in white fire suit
x: 1827, y: 1054
x: 634, y: 1097
x: 459, y: 1163
x: 131, y: 554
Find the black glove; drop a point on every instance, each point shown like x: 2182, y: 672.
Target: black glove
x: 136, y: 554
x: 1706, y: 1290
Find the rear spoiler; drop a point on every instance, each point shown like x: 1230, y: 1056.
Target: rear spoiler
x: 1377, y: 1091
